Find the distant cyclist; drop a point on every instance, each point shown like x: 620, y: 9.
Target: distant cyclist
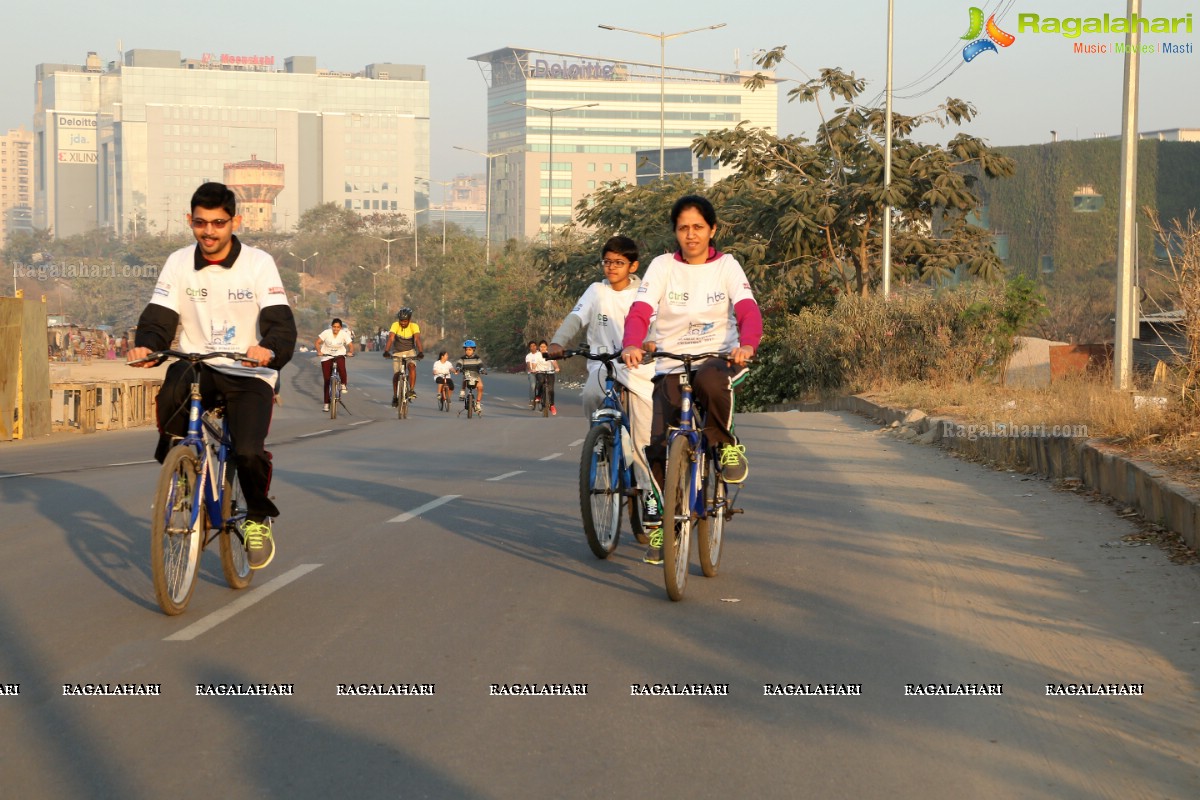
x: 471, y: 366
x: 333, y: 345
x: 547, y: 372
x: 443, y: 376
x: 404, y: 341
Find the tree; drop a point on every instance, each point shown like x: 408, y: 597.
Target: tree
x: 810, y: 214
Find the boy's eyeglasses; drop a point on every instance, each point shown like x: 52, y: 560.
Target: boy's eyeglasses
x: 201, y: 224
x: 609, y: 263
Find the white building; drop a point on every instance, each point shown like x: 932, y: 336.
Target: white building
x: 125, y: 145
x: 598, y: 143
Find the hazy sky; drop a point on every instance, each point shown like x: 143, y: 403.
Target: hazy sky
x: 1024, y: 91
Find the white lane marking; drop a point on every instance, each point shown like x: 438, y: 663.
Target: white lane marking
x: 131, y: 463
x: 506, y: 475
x: 16, y: 475
x: 241, y: 604
x: 550, y: 457
x: 363, y: 422
x: 576, y: 443
x: 316, y: 433
x: 432, y: 504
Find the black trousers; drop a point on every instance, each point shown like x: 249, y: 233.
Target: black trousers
x: 248, y: 405
x: 712, y: 388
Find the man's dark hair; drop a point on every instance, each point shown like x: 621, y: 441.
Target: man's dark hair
x: 622, y: 246
x: 215, y: 195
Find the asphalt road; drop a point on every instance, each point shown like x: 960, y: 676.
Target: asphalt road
x: 446, y: 554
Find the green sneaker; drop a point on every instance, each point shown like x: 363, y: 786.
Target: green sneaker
x: 734, y: 467
x: 260, y: 544
x: 654, y: 551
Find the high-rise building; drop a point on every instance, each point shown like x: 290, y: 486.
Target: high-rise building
x: 599, y: 112
x: 16, y: 181
x: 124, y: 145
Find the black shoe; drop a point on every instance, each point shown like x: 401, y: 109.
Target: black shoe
x: 651, y: 513
x: 395, y: 402
x: 733, y: 464
x: 653, y: 553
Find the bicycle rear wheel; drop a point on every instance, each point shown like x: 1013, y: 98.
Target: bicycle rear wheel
x: 335, y: 394
x: 677, y: 517
x: 177, y: 530
x: 402, y: 408
x: 710, y: 531
x: 599, y: 500
x: 235, y: 564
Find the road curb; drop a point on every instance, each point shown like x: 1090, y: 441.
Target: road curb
x: 1137, y: 484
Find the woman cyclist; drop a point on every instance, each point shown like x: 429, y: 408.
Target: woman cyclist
x: 703, y: 303
x: 443, y: 371
x: 333, y: 345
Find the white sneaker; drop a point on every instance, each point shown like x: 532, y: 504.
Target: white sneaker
x: 325, y: 407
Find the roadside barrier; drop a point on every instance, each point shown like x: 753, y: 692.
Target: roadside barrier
x: 86, y: 407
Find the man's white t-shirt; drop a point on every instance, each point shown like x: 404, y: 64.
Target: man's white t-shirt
x: 694, y: 304
x: 334, y: 344
x: 534, y: 362
x: 218, y: 306
x: 602, y: 310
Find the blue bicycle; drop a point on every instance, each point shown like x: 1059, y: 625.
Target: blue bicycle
x: 198, y: 499
x: 695, y: 497
x: 606, y: 478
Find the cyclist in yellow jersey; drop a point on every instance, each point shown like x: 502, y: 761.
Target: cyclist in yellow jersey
x: 404, y: 340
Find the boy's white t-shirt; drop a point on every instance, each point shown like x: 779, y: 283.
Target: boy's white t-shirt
x: 694, y: 304
x: 534, y: 360
x: 332, y: 344
x: 218, y: 307
x: 602, y: 310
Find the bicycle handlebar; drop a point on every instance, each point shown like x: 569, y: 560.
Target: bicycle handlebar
x: 195, y: 358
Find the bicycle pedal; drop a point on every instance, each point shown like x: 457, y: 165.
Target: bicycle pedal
x: 632, y: 492
x: 731, y: 511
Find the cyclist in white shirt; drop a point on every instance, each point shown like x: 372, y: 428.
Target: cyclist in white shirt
x: 223, y: 296
x: 532, y: 359
x: 443, y: 376
x: 601, y: 310
x: 333, y: 345
x: 701, y: 302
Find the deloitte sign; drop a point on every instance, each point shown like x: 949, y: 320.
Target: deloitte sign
x: 584, y: 70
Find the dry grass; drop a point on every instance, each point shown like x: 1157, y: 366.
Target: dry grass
x: 1166, y: 436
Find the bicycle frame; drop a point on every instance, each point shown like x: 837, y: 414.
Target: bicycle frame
x: 612, y: 414
x: 213, y: 446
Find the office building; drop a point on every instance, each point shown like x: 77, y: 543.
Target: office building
x: 599, y: 143
x: 125, y: 144
x: 16, y: 182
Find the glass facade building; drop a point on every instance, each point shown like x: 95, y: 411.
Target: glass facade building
x: 532, y: 190
x: 125, y: 146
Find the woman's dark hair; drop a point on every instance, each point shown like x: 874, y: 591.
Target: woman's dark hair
x: 443, y: 353
x: 215, y: 195
x: 622, y: 246
x: 701, y: 204
x: 337, y: 321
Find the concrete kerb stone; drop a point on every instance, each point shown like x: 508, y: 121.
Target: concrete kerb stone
x: 1141, y: 486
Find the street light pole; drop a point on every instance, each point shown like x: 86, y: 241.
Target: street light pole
x: 551, y: 112
x: 388, y: 267
x: 443, y: 184
x: 1127, y: 321
x: 662, y: 80
x: 303, y: 271
x: 374, y: 307
x: 487, y: 224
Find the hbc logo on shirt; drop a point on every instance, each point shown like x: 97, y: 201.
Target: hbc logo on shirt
x: 716, y: 297
x: 240, y: 295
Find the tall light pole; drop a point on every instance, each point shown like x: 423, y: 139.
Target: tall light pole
x: 886, y: 271
x: 443, y: 184
x: 303, y: 271
x: 374, y: 307
x: 1126, y: 220
x: 487, y: 224
x: 550, y: 162
x: 662, y: 80
x: 388, y: 267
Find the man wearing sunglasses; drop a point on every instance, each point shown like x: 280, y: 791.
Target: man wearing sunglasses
x: 223, y: 296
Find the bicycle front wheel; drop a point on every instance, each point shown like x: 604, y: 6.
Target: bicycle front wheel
x: 599, y: 499
x: 402, y: 408
x: 177, y: 530
x: 710, y: 531
x: 677, y: 517
x: 335, y: 394
x: 235, y: 565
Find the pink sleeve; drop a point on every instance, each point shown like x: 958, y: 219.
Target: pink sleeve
x: 637, y: 324
x: 749, y: 322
